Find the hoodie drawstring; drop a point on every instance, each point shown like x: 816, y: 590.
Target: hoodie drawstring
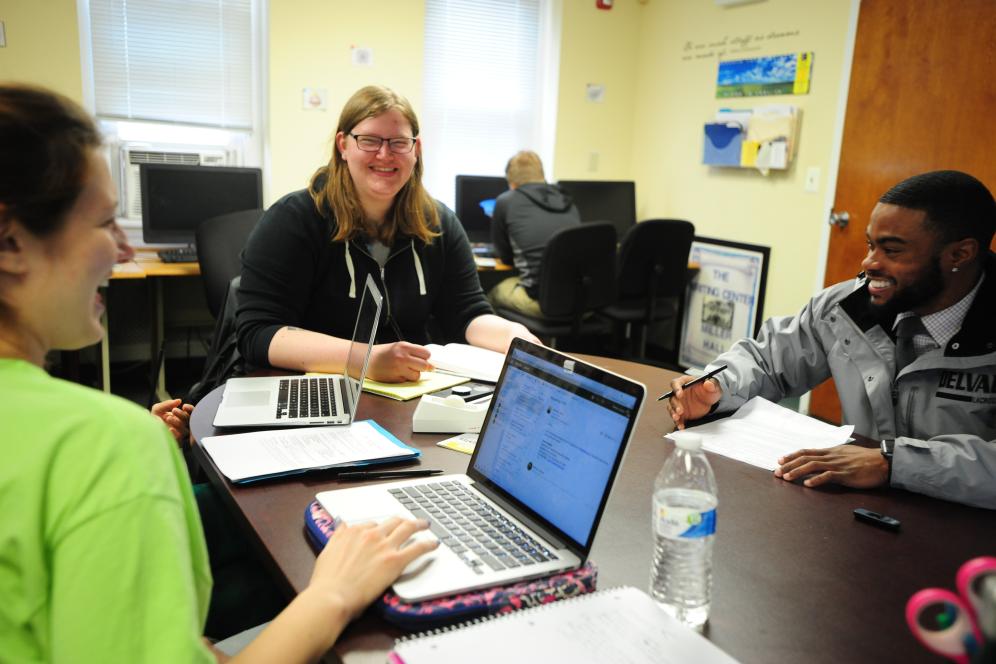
x: 352, y: 272
x: 418, y: 270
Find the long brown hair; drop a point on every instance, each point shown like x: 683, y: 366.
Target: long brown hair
x: 413, y: 212
x: 45, y: 146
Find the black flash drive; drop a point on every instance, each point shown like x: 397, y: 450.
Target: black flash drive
x: 876, y: 519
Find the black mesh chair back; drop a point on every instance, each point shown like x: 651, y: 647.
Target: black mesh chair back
x: 653, y: 259
x: 578, y: 276
x: 578, y: 272
x: 219, y: 251
x: 653, y: 274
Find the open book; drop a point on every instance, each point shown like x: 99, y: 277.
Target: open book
x: 616, y: 625
x: 469, y: 361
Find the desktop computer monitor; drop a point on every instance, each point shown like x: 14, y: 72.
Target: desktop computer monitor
x: 475, y: 196
x: 613, y: 201
x: 175, y: 199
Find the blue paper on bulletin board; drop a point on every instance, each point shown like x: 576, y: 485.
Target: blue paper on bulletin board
x: 721, y: 144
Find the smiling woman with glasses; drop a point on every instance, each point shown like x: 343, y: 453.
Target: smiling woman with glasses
x: 365, y: 212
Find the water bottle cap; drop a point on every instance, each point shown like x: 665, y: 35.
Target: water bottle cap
x: 689, y: 441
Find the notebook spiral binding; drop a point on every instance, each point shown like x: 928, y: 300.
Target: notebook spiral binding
x: 440, y: 631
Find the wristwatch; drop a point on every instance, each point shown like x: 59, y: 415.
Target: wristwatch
x: 887, y: 447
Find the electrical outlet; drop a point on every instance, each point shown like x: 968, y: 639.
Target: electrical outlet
x: 3, y: 35
x: 812, y: 179
x: 593, y: 162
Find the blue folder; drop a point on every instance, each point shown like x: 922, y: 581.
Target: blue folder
x: 721, y: 144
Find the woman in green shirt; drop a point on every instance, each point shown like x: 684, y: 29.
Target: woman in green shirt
x: 102, y: 557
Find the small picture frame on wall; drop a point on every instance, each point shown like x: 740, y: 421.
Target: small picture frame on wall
x: 724, y: 302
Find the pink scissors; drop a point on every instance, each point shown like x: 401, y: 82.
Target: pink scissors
x: 946, y: 623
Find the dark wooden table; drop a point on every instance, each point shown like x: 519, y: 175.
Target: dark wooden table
x: 796, y: 578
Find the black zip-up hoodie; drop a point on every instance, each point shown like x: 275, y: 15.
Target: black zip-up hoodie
x: 524, y: 219
x: 293, y: 274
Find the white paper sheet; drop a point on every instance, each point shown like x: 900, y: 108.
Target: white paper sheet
x: 619, y: 625
x: 464, y: 360
x: 261, y: 454
x: 761, y: 432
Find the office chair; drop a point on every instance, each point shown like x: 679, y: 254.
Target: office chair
x: 577, y: 277
x: 219, y: 251
x: 653, y: 273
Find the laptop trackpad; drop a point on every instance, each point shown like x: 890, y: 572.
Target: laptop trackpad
x: 248, y: 398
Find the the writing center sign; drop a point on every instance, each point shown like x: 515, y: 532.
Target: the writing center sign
x: 725, y: 300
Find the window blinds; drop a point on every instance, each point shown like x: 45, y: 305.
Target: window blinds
x: 481, y: 96
x: 182, y: 61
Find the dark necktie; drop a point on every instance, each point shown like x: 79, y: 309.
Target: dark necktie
x: 907, y: 328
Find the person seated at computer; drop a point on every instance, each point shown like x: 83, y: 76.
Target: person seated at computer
x: 911, y: 347
x: 365, y: 212
x: 103, y: 558
x: 525, y: 218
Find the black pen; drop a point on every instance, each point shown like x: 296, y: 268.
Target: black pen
x: 698, y: 380
x: 387, y: 474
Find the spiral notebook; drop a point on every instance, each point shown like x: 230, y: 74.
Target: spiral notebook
x: 615, y: 625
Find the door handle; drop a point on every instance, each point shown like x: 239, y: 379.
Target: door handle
x: 839, y: 219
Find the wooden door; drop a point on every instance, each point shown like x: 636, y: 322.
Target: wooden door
x: 921, y: 99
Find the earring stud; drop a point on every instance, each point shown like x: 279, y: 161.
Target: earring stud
x: 954, y: 269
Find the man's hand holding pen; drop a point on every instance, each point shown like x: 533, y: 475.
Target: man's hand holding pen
x: 694, y: 401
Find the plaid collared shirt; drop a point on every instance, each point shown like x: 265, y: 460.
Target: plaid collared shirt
x: 941, y: 325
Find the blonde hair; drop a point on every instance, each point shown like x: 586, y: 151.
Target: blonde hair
x: 524, y: 167
x: 413, y: 212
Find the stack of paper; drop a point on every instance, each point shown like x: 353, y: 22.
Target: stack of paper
x: 761, y: 432
x: 246, y: 457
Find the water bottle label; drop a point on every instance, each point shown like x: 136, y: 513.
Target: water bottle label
x: 684, y: 523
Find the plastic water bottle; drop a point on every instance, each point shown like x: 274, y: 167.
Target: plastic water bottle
x: 684, y: 525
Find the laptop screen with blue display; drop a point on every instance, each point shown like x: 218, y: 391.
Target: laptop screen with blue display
x: 555, y: 436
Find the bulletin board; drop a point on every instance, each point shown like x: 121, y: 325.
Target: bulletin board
x: 725, y: 300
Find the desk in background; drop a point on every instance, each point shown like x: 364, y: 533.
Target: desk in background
x: 146, y: 265
x: 796, y: 577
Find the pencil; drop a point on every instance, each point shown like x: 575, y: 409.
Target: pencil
x: 700, y: 379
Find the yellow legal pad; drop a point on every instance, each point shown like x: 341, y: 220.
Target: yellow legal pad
x: 430, y: 382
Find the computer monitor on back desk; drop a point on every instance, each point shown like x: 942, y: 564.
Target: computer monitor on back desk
x: 471, y: 192
x: 175, y: 199
x: 604, y: 200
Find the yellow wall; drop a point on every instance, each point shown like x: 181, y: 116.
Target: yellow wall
x: 43, y: 45
x: 310, y: 46
x: 599, y: 47
x: 648, y: 128
x: 676, y: 96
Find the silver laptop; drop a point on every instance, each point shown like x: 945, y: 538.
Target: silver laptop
x: 552, y: 442
x: 295, y: 401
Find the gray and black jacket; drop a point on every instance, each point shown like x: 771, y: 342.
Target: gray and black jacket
x: 941, y: 408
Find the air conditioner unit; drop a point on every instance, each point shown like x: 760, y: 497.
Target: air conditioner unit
x: 130, y: 155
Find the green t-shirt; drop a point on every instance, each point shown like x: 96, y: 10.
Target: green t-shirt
x: 102, y: 556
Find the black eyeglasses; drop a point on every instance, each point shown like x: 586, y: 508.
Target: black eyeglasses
x: 398, y: 145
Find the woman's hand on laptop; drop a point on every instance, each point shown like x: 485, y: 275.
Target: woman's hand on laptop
x: 400, y: 362
x: 361, y: 561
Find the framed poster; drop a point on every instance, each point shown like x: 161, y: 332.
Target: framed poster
x: 725, y: 300
x: 767, y: 75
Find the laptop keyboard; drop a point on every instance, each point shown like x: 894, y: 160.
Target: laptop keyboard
x: 474, y: 530
x: 306, y: 397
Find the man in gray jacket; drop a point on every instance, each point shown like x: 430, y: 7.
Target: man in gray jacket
x: 525, y: 218
x: 911, y: 346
